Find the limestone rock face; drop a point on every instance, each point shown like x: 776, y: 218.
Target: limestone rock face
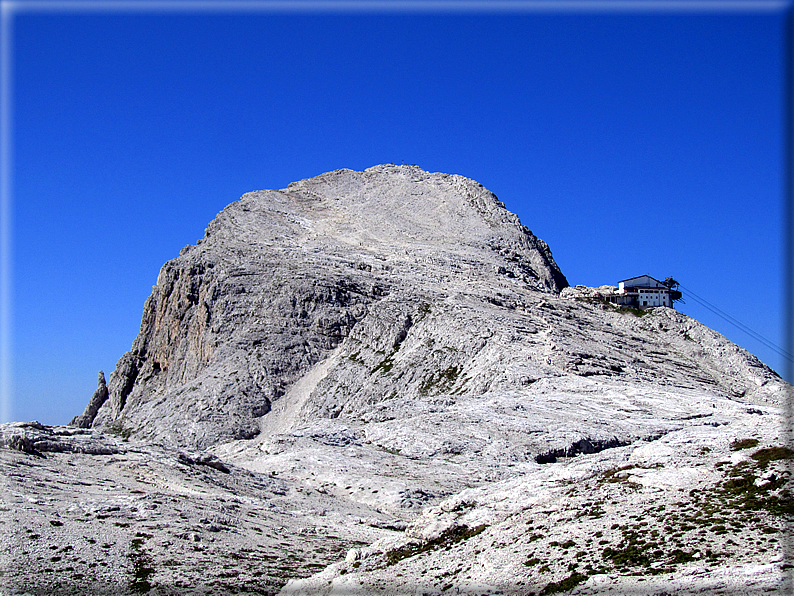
x: 282, y: 278
x: 100, y: 396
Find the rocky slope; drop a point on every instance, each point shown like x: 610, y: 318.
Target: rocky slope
x: 87, y: 513
x: 365, y: 352
x: 700, y: 510
x: 281, y: 278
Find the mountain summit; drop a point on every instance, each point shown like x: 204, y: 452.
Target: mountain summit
x: 282, y: 277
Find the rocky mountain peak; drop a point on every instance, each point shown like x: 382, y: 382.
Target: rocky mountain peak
x: 390, y: 211
x: 282, y: 277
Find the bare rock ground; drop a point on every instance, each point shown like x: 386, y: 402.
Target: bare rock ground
x: 699, y: 510
x: 87, y: 513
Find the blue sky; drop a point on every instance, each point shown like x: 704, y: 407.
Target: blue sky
x: 632, y: 142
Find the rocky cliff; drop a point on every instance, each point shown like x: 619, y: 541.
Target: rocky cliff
x: 388, y: 364
x: 282, y: 278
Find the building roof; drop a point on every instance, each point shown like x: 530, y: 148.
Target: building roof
x: 640, y: 277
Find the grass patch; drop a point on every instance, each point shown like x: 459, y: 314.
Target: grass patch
x: 740, y: 492
x: 610, y: 475
x: 447, y: 538
x: 764, y: 456
x: 628, y: 554
x: 738, y: 445
x: 440, y: 382
x: 564, y: 585
x: 119, y: 431
x: 141, y: 569
x: 424, y: 310
x: 385, y: 365
x: 680, y: 556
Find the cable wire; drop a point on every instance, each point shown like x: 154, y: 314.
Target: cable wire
x: 736, y: 323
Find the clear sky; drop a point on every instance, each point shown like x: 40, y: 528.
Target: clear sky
x: 631, y: 141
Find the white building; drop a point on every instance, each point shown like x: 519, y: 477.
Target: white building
x: 644, y: 292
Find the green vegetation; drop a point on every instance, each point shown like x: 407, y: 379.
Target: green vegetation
x: 446, y: 539
x: 388, y: 362
x: 741, y: 492
x: 385, y: 365
x: 637, y: 312
x: 564, y: 585
x: 764, y: 456
x: 140, y: 566
x: 628, y: 553
x: 120, y: 431
x: 662, y: 537
x: 441, y: 382
x: 680, y: 556
x: 424, y: 310
x: 738, y: 445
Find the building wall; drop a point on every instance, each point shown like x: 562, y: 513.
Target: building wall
x: 654, y: 297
